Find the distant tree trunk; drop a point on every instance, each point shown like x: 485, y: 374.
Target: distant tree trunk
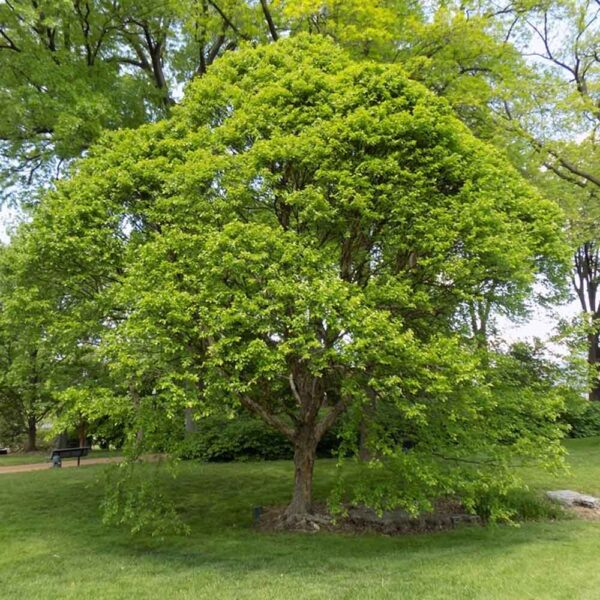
x: 62, y: 440
x: 82, y: 433
x: 31, y: 435
x: 190, y: 423
x: 479, y: 313
x: 363, y: 443
x: 593, y: 360
x: 364, y: 451
x: 137, y: 408
x: 585, y: 279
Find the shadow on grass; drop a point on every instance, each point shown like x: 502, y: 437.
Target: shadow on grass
x: 56, y: 516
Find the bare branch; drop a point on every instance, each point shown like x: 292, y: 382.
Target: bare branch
x: 10, y: 45
x: 269, y: 19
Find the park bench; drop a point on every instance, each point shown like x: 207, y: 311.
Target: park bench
x: 3, y: 450
x: 59, y: 453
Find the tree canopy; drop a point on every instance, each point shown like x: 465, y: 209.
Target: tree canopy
x: 300, y: 239
x: 69, y: 70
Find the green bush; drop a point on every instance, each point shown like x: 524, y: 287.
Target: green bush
x: 518, y: 505
x: 586, y: 422
x: 529, y: 505
x: 219, y: 439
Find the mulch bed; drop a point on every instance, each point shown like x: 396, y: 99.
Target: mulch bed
x: 588, y: 514
x: 358, y: 519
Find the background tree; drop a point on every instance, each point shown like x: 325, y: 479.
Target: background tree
x: 27, y: 357
x: 555, y: 128
x: 49, y: 342
x: 69, y: 70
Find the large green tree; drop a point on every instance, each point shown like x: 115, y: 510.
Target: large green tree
x: 49, y: 335
x: 298, y: 239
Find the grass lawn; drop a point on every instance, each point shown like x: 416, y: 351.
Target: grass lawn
x: 30, y: 458
x: 52, y: 545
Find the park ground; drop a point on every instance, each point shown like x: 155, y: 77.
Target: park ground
x: 53, y: 545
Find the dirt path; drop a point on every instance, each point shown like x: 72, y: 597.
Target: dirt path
x: 65, y: 463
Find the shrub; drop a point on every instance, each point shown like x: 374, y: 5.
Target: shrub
x: 586, y: 422
x: 221, y: 439
x: 519, y: 504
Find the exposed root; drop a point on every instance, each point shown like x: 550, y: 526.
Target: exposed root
x: 364, y: 520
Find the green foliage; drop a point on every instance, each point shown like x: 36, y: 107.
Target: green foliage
x: 584, y: 421
x: 298, y: 239
x: 240, y: 438
x: 28, y: 361
x: 517, y: 505
x: 243, y: 437
x: 135, y: 498
x: 69, y: 70
x: 467, y: 447
x: 49, y: 361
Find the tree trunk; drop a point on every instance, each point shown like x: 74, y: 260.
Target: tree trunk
x: 82, y: 430
x: 593, y: 360
x: 191, y: 426
x: 137, y: 406
x: 62, y: 440
x: 363, y: 443
x: 31, y: 435
x: 305, y: 451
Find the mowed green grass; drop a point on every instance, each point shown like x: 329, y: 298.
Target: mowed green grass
x: 30, y: 458
x: 53, y: 546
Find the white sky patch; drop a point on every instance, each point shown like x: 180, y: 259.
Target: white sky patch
x: 8, y: 221
x: 542, y: 324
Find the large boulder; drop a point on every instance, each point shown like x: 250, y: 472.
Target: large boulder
x: 570, y: 498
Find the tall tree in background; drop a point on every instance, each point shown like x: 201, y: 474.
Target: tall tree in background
x: 555, y: 130
x: 49, y: 329
x: 69, y: 70
x: 27, y: 357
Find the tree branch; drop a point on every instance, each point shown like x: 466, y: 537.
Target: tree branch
x: 10, y: 45
x: 269, y: 19
x: 330, y: 418
x: 228, y: 21
x: 268, y: 417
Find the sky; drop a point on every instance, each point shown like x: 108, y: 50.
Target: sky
x: 7, y: 219
x: 542, y: 323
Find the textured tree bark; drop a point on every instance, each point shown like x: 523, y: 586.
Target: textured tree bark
x: 31, y: 435
x: 305, y: 451
x: 305, y: 433
x: 82, y: 433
